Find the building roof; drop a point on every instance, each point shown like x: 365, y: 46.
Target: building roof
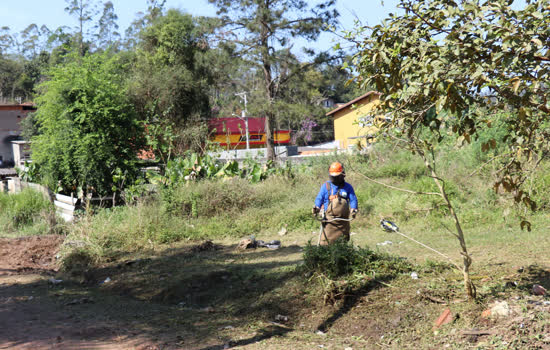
x: 345, y: 105
x: 236, y: 125
x: 27, y: 106
x: 5, y: 172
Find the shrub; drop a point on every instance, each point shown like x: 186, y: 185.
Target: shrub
x: 87, y: 126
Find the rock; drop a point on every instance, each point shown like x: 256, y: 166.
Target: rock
x: 385, y: 243
x: 500, y: 309
x: 538, y: 290
x: 54, y: 281
x: 319, y: 332
x: 445, y: 317
x: 281, y: 318
x: 283, y: 231
x: 414, y: 275
x: 107, y: 280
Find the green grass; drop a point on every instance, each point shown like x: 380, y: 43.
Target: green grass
x: 26, y: 213
x: 235, y: 208
x: 373, y: 297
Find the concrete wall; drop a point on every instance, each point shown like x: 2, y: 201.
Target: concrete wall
x: 347, y: 130
x: 9, y: 129
x: 280, y: 151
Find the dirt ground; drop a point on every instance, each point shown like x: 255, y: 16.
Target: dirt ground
x: 30, y: 319
x: 211, y: 297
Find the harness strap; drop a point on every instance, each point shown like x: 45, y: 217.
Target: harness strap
x: 329, y: 191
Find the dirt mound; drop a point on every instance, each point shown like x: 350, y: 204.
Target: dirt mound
x: 29, y: 253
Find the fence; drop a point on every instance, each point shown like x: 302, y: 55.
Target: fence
x: 65, y: 206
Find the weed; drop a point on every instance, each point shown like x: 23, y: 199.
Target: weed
x: 28, y: 212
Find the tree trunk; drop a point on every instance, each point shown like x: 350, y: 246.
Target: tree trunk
x: 269, y: 90
x: 466, y: 259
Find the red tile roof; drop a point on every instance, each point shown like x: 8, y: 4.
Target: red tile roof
x: 339, y: 108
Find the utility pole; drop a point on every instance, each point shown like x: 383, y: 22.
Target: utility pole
x: 242, y: 95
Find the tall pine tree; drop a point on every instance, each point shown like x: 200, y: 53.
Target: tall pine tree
x: 262, y: 29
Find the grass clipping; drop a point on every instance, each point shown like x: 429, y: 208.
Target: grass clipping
x: 343, y: 269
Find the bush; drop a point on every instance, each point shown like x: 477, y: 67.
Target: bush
x: 88, y: 129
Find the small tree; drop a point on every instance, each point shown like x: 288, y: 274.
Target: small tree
x: 452, y: 66
x: 88, y: 130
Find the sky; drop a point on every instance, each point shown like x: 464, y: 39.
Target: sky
x: 19, y: 14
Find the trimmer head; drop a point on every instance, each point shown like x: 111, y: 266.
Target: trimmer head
x: 388, y: 226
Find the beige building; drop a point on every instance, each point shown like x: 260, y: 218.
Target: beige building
x: 354, y: 122
x: 10, y: 129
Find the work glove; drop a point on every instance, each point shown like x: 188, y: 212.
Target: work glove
x: 353, y: 213
x: 315, y: 210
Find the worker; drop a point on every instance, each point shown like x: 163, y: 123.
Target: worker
x: 338, y: 200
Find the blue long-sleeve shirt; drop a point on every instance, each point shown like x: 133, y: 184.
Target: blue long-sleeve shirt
x: 322, y: 198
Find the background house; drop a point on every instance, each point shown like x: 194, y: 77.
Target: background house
x: 11, y: 116
x: 230, y: 133
x: 354, y: 121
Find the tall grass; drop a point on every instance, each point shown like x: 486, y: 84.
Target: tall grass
x: 200, y: 210
x: 236, y: 208
x: 25, y: 213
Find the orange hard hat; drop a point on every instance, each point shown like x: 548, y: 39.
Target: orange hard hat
x: 336, y: 169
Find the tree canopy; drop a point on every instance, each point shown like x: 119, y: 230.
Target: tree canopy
x: 462, y: 63
x: 457, y: 67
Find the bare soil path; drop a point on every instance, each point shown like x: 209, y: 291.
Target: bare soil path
x: 212, y: 297
x: 31, y: 319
